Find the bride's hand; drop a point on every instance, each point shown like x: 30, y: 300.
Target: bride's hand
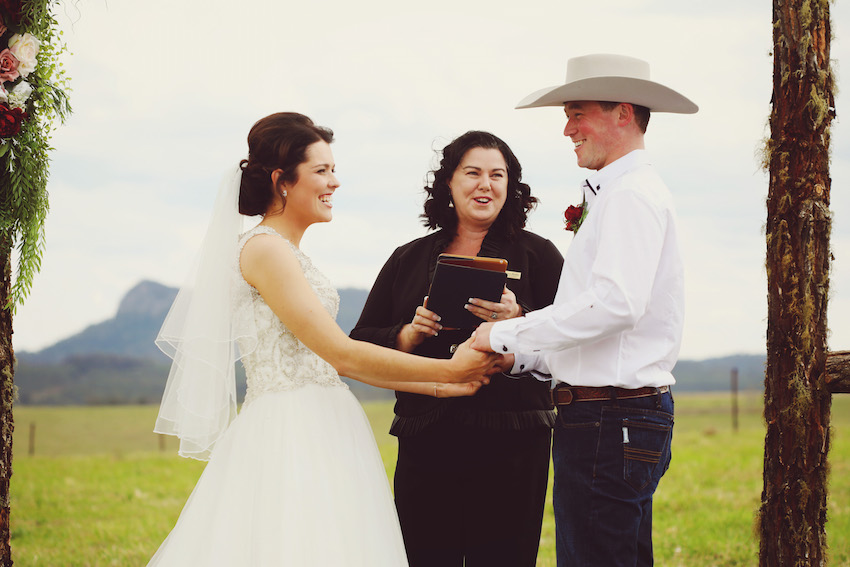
x: 444, y: 390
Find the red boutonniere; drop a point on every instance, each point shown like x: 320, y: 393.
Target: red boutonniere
x: 574, y: 216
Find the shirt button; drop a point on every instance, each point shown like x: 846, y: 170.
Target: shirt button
x: 522, y: 366
x: 504, y: 349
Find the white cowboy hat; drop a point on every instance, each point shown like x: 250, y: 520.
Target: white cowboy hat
x: 611, y: 78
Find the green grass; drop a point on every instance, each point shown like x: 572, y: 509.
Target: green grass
x: 102, y: 489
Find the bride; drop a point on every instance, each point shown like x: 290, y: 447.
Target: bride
x: 296, y: 478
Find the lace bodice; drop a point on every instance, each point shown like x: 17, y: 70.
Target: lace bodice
x: 281, y: 361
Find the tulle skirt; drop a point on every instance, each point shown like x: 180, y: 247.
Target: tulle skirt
x: 296, y: 480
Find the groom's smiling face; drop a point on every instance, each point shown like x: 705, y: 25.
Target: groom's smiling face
x: 594, y: 132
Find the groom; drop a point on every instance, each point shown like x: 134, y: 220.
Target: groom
x: 612, y: 335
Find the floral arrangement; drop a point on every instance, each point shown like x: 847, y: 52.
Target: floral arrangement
x: 32, y: 96
x: 574, y: 216
x: 16, y: 62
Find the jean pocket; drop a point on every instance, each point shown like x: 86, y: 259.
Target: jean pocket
x: 578, y: 417
x: 646, y: 447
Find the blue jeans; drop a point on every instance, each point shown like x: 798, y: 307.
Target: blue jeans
x: 608, y: 457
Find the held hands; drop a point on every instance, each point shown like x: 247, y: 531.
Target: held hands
x: 473, y: 365
x: 507, y: 308
x: 481, y: 341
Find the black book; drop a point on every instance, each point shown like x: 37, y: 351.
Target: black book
x: 458, y: 278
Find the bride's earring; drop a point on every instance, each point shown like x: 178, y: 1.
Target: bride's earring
x: 284, y: 192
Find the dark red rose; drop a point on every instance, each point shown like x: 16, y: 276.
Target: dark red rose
x: 12, y: 9
x: 572, y: 216
x: 10, y: 121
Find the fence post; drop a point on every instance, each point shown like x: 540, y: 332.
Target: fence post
x: 32, y: 439
x: 734, y: 385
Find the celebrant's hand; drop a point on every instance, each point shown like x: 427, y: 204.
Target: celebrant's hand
x: 507, y: 308
x: 425, y: 324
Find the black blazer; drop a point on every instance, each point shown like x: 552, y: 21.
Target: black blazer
x: 506, y: 403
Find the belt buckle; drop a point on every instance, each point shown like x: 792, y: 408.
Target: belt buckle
x: 568, y: 395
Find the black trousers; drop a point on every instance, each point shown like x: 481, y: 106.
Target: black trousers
x: 472, y: 497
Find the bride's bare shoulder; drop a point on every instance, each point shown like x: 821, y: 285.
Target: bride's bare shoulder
x: 264, y: 253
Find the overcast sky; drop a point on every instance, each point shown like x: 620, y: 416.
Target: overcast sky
x: 165, y: 91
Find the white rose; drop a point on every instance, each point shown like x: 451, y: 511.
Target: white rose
x: 20, y: 94
x: 4, y: 95
x: 25, y: 48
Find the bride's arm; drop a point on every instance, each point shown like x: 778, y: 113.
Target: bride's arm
x: 268, y: 264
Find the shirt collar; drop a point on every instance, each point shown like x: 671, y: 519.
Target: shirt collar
x: 594, y: 183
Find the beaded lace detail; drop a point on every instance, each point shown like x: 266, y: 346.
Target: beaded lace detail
x: 281, y: 361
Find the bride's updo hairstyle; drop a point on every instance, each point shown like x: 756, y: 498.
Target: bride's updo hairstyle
x: 278, y: 141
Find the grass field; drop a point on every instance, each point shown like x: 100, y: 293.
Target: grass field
x: 101, y: 489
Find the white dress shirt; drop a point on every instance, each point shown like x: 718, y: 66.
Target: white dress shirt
x: 617, y: 317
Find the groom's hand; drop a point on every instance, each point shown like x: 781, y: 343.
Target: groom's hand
x: 481, y: 337
x: 505, y: 363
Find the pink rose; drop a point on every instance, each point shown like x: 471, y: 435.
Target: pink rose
x: 8, y: 66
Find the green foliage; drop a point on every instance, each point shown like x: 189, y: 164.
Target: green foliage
x: 25, y: 159
x: 100, y: 492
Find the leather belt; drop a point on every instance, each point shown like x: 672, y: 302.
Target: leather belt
x: 564, y: 395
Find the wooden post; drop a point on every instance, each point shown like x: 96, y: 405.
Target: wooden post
x: 792, y: 518
x: 838, y: 372
x: 7, y: 394
x: 734, y: 385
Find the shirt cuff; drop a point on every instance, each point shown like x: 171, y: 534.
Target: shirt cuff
x: 522, y: 364
x: 501, y: 335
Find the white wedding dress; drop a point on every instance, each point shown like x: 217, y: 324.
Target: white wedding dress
x: 296, y: 480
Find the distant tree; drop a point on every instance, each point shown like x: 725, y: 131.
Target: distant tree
x: 31, y: 99
x: 792, y: 517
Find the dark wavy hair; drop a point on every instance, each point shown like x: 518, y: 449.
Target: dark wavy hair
x: 278, y: 141
x: 518, y: 202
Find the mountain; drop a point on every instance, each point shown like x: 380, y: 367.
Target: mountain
x: 715, y: 374
x: 130, y: 333
x: 116, y: 361
x: 140, y: 315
